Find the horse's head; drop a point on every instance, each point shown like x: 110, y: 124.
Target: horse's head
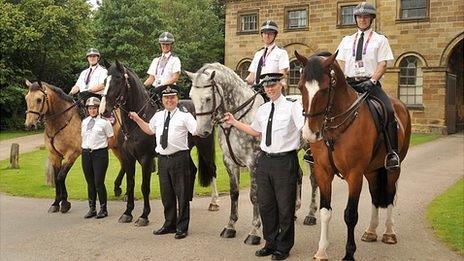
x: 206, y: 98
x: 115, y: 89
x: 316, y: 81
x: 37, y: 106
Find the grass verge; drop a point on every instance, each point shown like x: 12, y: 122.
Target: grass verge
x: 11, y: 134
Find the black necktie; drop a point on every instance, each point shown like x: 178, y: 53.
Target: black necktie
x: 260, y: 66
x: 87, y: 79
x: 164, y: 136
x: 269, y: 126
x: 359, y: 49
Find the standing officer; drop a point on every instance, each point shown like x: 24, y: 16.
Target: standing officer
x: 270, y: 58
x: 97, y: 134
x: 164, y: 70
x: 91, y: 81
x: 171, y: 127
x: 278, y: 124
x: 364, y: 57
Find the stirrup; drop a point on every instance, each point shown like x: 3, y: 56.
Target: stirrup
x: 308, y: 157
x: 389, y: 156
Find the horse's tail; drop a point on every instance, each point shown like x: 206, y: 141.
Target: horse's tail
x: 383, y: 196
x: 206, y: 159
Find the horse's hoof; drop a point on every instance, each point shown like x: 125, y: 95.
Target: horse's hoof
x: 117, y: 192
x: 213, y: 207
x: 320, y: 259
x: 309, y: 221
x: 369, y: 237
x: 252, y: 240
x: 389, y: 239
x: 348, y: 258
x: 320, y: 256
x: 125, y: 218
x: 141, y: 222
x: 54, y: 209
x: 65, y: 206
x: 228, y: 233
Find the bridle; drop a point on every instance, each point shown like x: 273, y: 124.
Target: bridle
x: 41, y: 112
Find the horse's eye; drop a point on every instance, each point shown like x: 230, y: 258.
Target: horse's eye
x: 208, y: 99
x: 39, y: 100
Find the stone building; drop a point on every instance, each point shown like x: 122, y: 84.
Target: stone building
x: 426, y: 37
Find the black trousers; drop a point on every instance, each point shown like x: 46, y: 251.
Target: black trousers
x: 277, y: 179
x: 175, y: 187
x: 95, y: 164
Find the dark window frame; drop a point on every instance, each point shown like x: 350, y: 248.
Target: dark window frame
x: 247, y: 13
x: 293, y: 78
x: 239, y: 69
x: 289, y: 9
x: 340, y: 5
x: 401, y: 9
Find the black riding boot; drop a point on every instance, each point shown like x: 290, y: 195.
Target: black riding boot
x: 92, y: 212
x: 392, y: 160
x: 103, y: 212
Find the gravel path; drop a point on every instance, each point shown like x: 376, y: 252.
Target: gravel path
x: 26, y: 144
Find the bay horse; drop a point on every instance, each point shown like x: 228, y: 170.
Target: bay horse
x: 60, y: 114
x: 125, y: 91
x: 215, y: 90
x: 345, y: 141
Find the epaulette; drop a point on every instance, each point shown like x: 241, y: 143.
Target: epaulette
x: 182, y: 108
x: 159, y: 109
x: 291, y: 99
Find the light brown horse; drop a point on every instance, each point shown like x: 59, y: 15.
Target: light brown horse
x: 344, y: 140
x: 62, y: 133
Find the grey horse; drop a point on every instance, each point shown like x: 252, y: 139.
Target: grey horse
x: 215, y: 90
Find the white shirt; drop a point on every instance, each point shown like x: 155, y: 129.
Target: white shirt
x: 377, y: 50
x: 97, y: 76
x: 276, y: 59
x: 287, y: 123
x: 180, y: 124
x: 162, y: 75
x: 97, y: 136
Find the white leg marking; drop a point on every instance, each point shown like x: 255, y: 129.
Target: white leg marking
x: 214, y: 192
x: 389, y: 221
x: 326, y: 215
x: 374, y: 219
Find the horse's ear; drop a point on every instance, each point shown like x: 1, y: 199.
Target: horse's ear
x: 303, y: 60
x: 28, y: 83
x: 106, y: 64
x: 191, y: 75
x: 330, y: 60
x: 119, y: 66
x: 212, y: 75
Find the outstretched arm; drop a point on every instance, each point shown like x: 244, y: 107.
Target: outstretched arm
x: 229, y: 118
x: 142, y: 124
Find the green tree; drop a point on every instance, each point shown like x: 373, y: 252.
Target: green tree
x: 41, y: 39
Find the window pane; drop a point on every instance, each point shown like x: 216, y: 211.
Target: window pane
x: 410, y: 81
x: 297, y: 19
x: 242, y: 69
x: 248, y: 22
x: 347, y: 17
x: 411, y: 9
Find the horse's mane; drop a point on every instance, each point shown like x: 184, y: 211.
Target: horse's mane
x: 313, y: 69
x: 134, y: 78
x: 58, y: 91
x: 223, y: 74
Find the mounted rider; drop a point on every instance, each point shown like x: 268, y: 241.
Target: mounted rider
x: 270, y: 58
x: 363, y: 56
x: 165, y: 69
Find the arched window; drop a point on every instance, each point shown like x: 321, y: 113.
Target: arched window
x: 242, y: 69
x: 410, y: 82
x: 293, y: 78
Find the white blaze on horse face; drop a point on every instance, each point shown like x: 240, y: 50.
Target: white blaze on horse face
x: 102, y: 108
x: 312, y: 88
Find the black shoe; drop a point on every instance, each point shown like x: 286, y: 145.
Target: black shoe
x: 102, y: 213
x: 308, y: 157
x: 279, y: 255
x: 164, y: 230
x: 180, y: 234
x: 392, y: 161
x: 91, y: 213
x: 265, y: 251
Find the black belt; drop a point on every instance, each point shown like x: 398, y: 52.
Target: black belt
x: 358, y: 79
x: 173, y: 155
x: 280, y: 154
x: 91, y: 150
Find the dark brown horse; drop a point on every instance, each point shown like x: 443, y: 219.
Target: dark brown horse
x: 62, y: 133
x: 344, y: 140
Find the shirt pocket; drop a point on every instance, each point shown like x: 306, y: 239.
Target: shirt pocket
x: 281, y: 121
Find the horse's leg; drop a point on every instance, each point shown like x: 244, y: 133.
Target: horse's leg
x: 118, y: 182
x: 299, y: 184
x: 129, y: 167
x: 234, y: 180
x: 253, y: 237
x: 311, y: 217
x: 68, y: 161
x: 56, y: 164
x: 324, y: 179
x: 214, y: 205
x: 147, y: 165
x: 354, y: 180
x: 389, y: 237
x: 370, y: 235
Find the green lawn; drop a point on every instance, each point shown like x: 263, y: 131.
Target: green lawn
x: 29, y: 179
x: 422, y: 138
x: 10, y: 134
x: 446, y: 214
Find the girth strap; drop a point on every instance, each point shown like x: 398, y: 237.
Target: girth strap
x: 330, y: 148
x: 226, y: 132
x: 52, y: 138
